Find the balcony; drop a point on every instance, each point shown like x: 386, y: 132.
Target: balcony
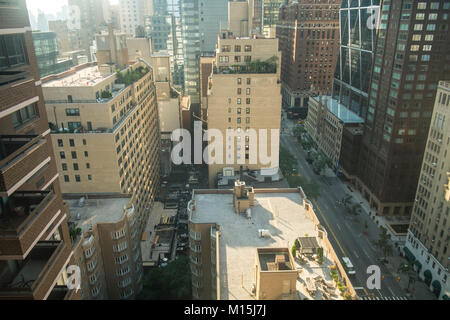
x: 25, y: 215
x: 20, y: 157
x: 33, y: 278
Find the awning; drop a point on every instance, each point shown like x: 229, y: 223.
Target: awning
x: 409, y: 255
x: 427, y: 274
x: 418, y: 265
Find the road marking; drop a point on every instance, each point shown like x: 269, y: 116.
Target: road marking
x: 358, y: 288
x: 328, y: 225
x: 337, y: 224
x: 356, y: 254
x: 392, y: 292
x: 365, y: 252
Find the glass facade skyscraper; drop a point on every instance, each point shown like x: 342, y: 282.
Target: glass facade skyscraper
x: 357, y: 36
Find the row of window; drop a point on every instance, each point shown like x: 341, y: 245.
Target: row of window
x: 77, y: 178
x: 237, y: 48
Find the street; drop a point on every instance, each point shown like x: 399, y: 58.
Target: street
x: 346, y: 232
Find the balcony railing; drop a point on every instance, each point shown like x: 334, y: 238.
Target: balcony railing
x: 37, y: 273
x: 24, y: 216
x: 19, y: 155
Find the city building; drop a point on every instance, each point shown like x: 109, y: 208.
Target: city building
x: 112, y: 49
x: 270, y: 15
x: 411, y: 56
x: 105, y: 132
x: 67, y: 40
x: 47, y: 54
x: 201, y: 22
x: 35, y: 245
x: 158, y: 24
x: 175, y: 49
x: 358, y: 34
x: 326, y: 124
x: 240, y: 245
x: 243, y: 96
x: 428, y: 234
x: 106, y: 246
x: 309, y: 42
x: 132, y: 14
x: 86, y: 17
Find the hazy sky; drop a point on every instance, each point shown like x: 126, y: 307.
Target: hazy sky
x: 51, y: 6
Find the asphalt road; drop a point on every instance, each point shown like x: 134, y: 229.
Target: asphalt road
x: 346, y: 234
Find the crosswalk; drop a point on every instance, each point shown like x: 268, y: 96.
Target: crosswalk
x: 384, y: 298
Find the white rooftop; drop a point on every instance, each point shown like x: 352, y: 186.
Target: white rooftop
x: 86, y: 77
x: 282, y: 214
x: 92, y: 211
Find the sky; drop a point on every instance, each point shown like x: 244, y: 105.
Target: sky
x: 51, y: 6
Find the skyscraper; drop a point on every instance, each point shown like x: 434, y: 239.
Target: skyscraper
x: 411, y: 56
x: 429, y: 232
x: 309, y: 42
x: 357, y: 44
x: 201, y: 22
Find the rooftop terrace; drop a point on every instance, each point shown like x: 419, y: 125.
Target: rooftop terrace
x: 282, y: 214
x: 86, y: 77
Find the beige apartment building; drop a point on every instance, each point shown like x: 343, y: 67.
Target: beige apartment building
x: 240, y: 245
x: 428, y: 235
x: 244, y: 93
x: 105, y: 132
x: 108, y: 248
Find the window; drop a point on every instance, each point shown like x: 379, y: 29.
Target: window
x: 247, y: 100
x: 64, y: 166
x: 77, y: 178
x: 247, y: 120
x: 239, y: 101
x: 422, y: 5
x: 247, y: 110
x: 62, y: 155
x: 239, y: 81
x: 249, y: 81
x: 86, y: 154
x: 66, y: 179
x: 239, y: 91
x: 237, y: 48
x: 248, y: 91
x: 73, y: 112
x: 238, y: 120
x: 420, y: 16
x: 88, y: 165
x: 73, y: 125
x: 12, y: 50
x: 71, y: 142
x: 84, y: 142
x: 74, y: 154
x: 60, y: 143
x: 24, y: 115
x: 237, y: 58
x: 89, y: 177
x: 248, y: 48
x: 75, y: 166
x: 247, y: 58
x: 238, y: 110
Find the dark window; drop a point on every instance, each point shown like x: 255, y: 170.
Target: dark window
x: 86, y: 154
x: 75, y: 166
x: 88, y: 165
x: 72, y: 142
x: 64, y: 166
x: 60, y: 143
x: 84, y: 142
x: 77, y: 178
x: 24, y: 115
x: 66, y: 178
x: 74, y: 154
x: 12, y: 50
x: 89, y: 177
x: 72, y: 112
x: 62, y: 155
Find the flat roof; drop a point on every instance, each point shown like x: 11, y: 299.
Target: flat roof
x: 282, y: 214
x: 86, y: 77
x: 98, y: 210
x: 339, y: 110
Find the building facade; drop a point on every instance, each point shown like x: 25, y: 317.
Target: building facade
x: 358, y: 32
x: 428, y: 234
x: 309, y: 42
x: 132, y: 14
x: 242, y: 96
x: 35, y: 245
x: 411, y: 56
x: 47, y: 53
x: 201, y: 22
x: 105, y: 132
x: 326, y: 123
x: 107, y: 249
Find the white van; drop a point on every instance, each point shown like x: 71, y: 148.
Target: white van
x: 348, y: 266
